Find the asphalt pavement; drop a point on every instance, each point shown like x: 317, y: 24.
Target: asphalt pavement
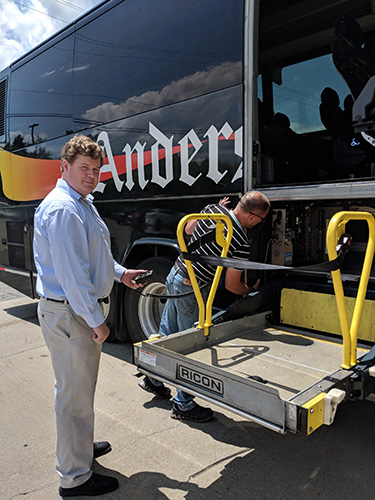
x: 155, y: 457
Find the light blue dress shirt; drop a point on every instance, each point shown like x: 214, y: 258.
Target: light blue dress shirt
x: 72, y: 252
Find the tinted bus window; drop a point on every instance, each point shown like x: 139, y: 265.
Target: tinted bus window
x: 41, y: 98
x: 127, y: 63
x: 305, y: 103
x: 299, y: 95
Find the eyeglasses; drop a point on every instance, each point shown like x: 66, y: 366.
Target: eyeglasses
x: 256, y: 215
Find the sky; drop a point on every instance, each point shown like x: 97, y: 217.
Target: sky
x: 26, y: 23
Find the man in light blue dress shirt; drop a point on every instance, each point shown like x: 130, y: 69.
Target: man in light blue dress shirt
x: 76, y: 272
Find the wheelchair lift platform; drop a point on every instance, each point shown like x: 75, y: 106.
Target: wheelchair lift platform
x: 285, y: 380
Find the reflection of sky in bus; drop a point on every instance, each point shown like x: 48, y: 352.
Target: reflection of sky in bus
x: 299, y: 95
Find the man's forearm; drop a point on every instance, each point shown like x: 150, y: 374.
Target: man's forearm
x: 234, y: 284
x: 239, y: 288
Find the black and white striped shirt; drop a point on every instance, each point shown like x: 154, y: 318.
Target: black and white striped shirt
x: 239, y: 247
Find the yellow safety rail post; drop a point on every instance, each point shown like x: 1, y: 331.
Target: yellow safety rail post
x: 205, y: 313
x: 350, y: 334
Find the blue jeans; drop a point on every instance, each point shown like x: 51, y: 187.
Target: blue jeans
x: 178, y: 315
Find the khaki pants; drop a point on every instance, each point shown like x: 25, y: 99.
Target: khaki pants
x: 75, y: 359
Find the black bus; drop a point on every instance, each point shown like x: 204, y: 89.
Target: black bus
x: 192, y: 101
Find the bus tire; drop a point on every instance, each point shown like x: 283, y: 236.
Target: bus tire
x: 143, y: 314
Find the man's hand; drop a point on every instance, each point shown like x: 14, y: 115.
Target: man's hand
x: 128, y: 277
x: 101, y: 332
x: 191, y: 225
x: 224, y: 202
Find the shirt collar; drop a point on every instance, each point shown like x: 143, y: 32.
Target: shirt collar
x: 65, y: 186
x: 235, y: 218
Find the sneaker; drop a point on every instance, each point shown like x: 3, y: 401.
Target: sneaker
x: 196, y: 414
x: 159, y: 390
x: 96, y: 485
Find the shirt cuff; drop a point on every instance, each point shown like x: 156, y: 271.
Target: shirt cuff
x: 96, y: 318
x: 119, y: 271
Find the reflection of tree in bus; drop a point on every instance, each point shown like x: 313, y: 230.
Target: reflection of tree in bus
x: 19, y: 144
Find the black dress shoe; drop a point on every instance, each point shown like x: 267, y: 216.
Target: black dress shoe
x: 101, y: 448
x: 96, y: 485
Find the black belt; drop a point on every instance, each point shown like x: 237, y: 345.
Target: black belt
x: 65, y: 301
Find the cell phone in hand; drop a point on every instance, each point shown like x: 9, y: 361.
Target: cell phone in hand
x: 143, y: 278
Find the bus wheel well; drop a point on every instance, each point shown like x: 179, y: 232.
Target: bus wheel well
x: 140, y: 253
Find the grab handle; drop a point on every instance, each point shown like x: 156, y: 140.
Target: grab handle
x: 336, y: 228
x: 223, y: 240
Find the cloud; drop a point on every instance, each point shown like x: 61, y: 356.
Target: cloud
x: 185, y: 88
x: 27, y: 23
x: 78, y: 68
x: 48, y: 73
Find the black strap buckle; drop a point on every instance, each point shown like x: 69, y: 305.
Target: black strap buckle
x: 344, y: 243
x: 104, y: 300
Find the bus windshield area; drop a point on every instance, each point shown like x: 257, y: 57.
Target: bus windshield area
x: 313, y: 64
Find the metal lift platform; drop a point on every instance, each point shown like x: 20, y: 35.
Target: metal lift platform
x: 285, y: 380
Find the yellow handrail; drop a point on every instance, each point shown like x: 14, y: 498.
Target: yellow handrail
x: 350, y: 334
x: 205, y: 313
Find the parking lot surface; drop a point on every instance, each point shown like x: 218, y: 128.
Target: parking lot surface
x: 155, y: 457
